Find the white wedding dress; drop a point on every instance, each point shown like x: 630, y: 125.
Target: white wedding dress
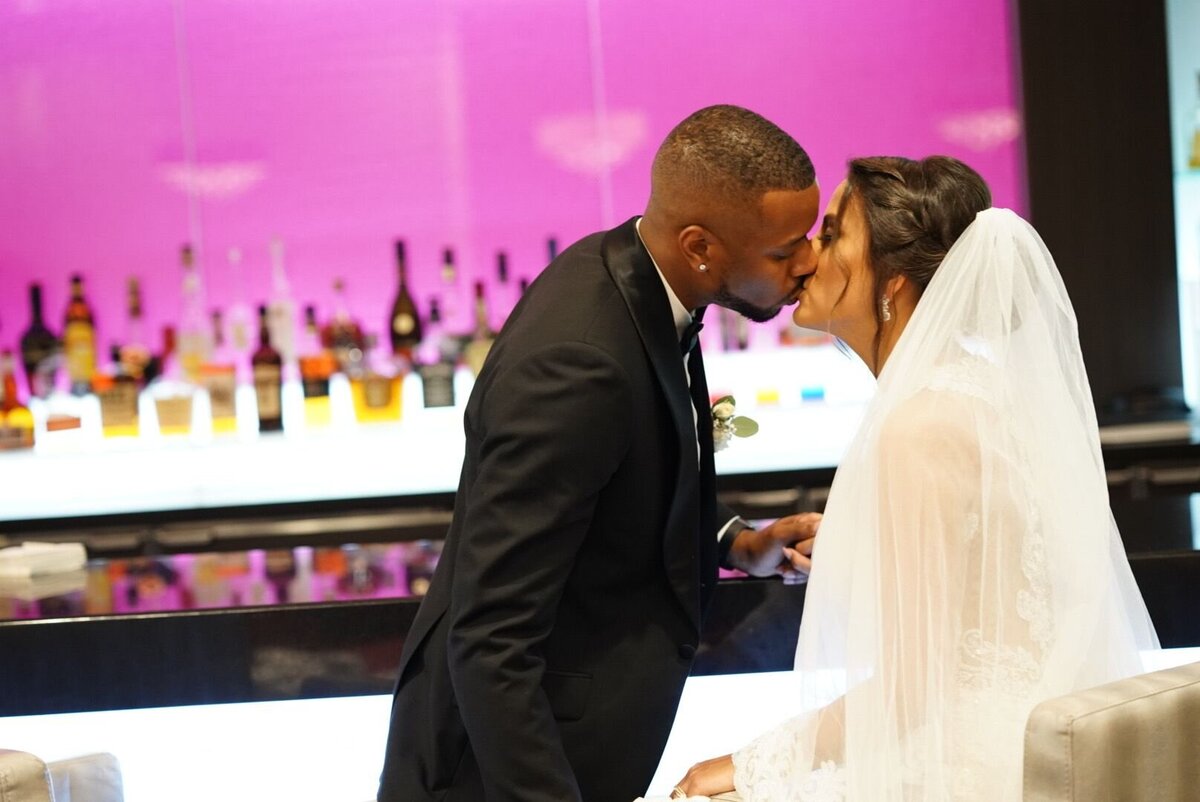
x: 968, y: 566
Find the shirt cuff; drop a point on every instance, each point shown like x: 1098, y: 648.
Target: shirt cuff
x: 726, y: 536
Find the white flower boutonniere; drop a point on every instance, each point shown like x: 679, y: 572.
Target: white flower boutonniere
x: 727, y: 425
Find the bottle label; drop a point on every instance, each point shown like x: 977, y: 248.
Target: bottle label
x: 222, y: 393
x: 437, y: 384
x: 14, y: 437
x: 403, y: 324
x: 315, y: 386
x: 266, y: 389
x: 119, y: 404
x: 79, y: 344
x: 378, y: 391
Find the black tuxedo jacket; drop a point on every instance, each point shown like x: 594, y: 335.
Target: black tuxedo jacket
x: 547, y: 659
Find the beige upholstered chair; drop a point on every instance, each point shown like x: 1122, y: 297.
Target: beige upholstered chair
x: 1132, y: 740
x: 88, y: 778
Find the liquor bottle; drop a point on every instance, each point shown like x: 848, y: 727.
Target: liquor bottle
x: 16, y: 421
x: 195, y: 342
x: 117, y: 391
x: 79, y: 339
x: 135, y: 353
x: 281, y: 311
x: 437, y: 365
x: 502, y: 293
x: 40, y: 349
x: 1194, y: 156
x: 343, y: 337
x: 552, y: 249
x: 404, y: 323
x: 480, y: 344
x: 451, y: 293
x: 267, y: 367
x: 316, y: 367
x: 522, y: 287
x: 239, y: 310
x: 172, y: 393
x: 376, y: 393
x: 219, y: 376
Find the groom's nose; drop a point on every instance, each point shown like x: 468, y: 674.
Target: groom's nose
x: 805, y: 261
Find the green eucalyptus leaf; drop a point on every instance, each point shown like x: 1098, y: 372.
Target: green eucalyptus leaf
x: 744, y: 427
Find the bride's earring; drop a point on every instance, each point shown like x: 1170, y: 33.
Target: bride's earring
x: 886, y: 308
x: 702, y: 268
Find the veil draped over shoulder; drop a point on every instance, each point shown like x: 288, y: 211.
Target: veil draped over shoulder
x: 968, y: 565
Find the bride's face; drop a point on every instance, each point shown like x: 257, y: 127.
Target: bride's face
x: 837, y: 295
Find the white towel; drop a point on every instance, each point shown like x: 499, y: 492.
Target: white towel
x: 33, y: 559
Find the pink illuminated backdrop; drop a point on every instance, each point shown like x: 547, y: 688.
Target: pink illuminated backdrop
x: 130, y: 126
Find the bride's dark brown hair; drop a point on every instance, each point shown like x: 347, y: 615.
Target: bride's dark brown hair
x: 914, y: 212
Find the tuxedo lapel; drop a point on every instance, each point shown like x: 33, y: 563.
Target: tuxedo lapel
x: 638, y: 282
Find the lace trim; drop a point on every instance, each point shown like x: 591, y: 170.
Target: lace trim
x: 763, y: 772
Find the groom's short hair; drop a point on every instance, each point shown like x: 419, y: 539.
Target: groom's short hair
x: 734, y: 152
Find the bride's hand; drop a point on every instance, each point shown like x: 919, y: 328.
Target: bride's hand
x: 710, y: 777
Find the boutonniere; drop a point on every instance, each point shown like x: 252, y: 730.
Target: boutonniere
x: 727, y: 424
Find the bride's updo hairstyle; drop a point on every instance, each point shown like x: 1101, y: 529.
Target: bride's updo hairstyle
x: 914, y: 211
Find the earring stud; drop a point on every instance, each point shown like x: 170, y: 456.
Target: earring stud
x: 702, y: 268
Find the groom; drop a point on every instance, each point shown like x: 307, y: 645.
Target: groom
x: 548, y: 658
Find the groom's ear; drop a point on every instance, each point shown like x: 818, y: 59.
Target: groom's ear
x: 696, y: 243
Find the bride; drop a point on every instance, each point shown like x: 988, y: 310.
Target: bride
x: 968, y: 566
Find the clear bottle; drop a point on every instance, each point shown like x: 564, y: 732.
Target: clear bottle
x: 482, y: 337
x: 451, y: 292
x: 41, y: 350
x: 219, y: 375
x: 195, y: 340
x: 79, y: 339
x: 404, y: 321
x: 281, y: 311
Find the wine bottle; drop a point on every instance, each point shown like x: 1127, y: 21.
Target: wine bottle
x: 267, y: 367
x: 79, y: 339
x: 404, y: 322
x: 552, y: 249
x: 451, y: 293
x: 40, y: 349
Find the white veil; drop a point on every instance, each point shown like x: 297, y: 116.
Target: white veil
x: 968, y: 565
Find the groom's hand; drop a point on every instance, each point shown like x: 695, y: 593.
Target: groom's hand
x: 783, y: 548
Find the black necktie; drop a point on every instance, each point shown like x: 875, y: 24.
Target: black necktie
x: 690, y: 336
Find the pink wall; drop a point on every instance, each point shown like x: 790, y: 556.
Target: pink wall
x: 130, y: 126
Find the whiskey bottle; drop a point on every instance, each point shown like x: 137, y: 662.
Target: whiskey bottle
x: 267, y: 367
x: 79, y: 339
x: 16, y: 421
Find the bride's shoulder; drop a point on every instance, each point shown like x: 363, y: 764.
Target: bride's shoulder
x: 942, y: 416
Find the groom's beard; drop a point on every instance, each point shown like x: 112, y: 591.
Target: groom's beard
x: 758, y: 314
